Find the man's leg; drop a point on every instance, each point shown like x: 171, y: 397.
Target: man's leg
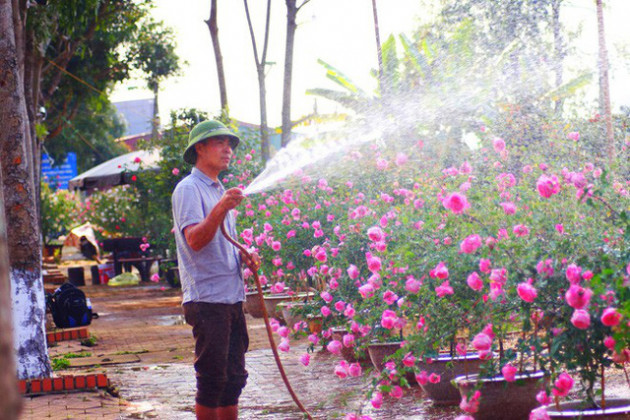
x: 228, y: 413
x: 206, y: 413
x: 211, y: 330
x: 236, y: 372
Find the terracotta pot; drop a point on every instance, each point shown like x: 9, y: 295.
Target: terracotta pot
x: 287, y: 315
x: 253, y: 304
x: 444, y: 392
x: 378, y: 352
x: 502, y: 400
x: 616, y: 409
x: 314, y: 323
x: 271, y: 302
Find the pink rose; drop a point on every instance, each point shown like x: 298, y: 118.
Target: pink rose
x: 334, y: 347
x: 353, y: 272
x: 412, y: 285
x: 305, y: 359
x: 374, y: 263
x: 573, y: 273
x: 396, y: 392
x: 562, y: 385
x: 470, y: 244
x: 578, y: 297
x: 375, y: 234
x: 610, y: 317
x: 574, y: 135
x: 485, y: 265
x: 482, y: 342
x: 434, y: 378
x: 456, y: 202
x: 581, y: 319
x: 440, y: 271
x: 527, y: 292
x: 548, y: 185
x: 377, y: 400
x: 444, y: 289
x: 422, y: 378
x: 520, y: 230
x: 470, y: 406
x: 355, y: 369
x: 409, y: 359
x: 341, y: 370
x: 498, y: 144
x: 474, y: 281
x: 366, y: 291
x: 348, y: 340
x: 508, y: 207
x: 509, y: 372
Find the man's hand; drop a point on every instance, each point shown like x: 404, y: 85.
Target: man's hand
x: 252, y: 261
x: 231, y: 198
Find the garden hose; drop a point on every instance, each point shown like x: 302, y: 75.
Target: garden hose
x: 272, y: 343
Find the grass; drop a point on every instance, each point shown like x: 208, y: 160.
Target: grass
x: 132, y: 352
x: 62, y: 362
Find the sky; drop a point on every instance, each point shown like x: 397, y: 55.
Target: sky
x: 340, y: 32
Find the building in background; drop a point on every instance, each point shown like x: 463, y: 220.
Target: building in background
x: 137, y: 115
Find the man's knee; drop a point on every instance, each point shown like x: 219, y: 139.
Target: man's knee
x: 210, y: 391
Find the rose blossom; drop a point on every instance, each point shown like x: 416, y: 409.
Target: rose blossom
x: 456, y: 202
x: 482, y: 342
x: 527, y: 292
x: 581, y: 319
x: 509, y: 372
x: 610, y: 317
x: 562, y: 385
x: 548, y: 185
x: 578, y: 297
x: 305, y: 359
x: 498, y: 144
x: 470, y: 244
x: 474, y: 281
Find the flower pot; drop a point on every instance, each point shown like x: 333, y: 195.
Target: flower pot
x: 379, y: 352
x: 271, y: 302
x: 254, y: 304
x: 502, y: 400
x: 314, y: 323
x: 616, y: 409
x: 448, y: 367
x: 286, y: 308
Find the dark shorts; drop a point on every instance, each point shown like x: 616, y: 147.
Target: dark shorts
x: 221, y: 341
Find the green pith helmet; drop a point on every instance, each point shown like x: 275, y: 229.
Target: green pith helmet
x: 205, y: 130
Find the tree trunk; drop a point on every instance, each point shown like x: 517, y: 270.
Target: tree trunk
x: 379, y: 51
x: 288, y: 71
x: 260, y: 69
x: 264, y: 132
x: 604, y: 88
x: 11, y: 401
x: 20, y: 210
x: 218, y: 57
x: 558, y: 51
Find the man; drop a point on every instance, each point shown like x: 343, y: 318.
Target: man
x: 210, y: 271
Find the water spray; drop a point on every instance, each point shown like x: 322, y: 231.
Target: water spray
x: 272, y: 343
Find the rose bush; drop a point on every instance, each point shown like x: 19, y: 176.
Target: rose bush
x: 521, y: 257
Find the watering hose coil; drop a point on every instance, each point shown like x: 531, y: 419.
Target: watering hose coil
x: 272, y: 343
